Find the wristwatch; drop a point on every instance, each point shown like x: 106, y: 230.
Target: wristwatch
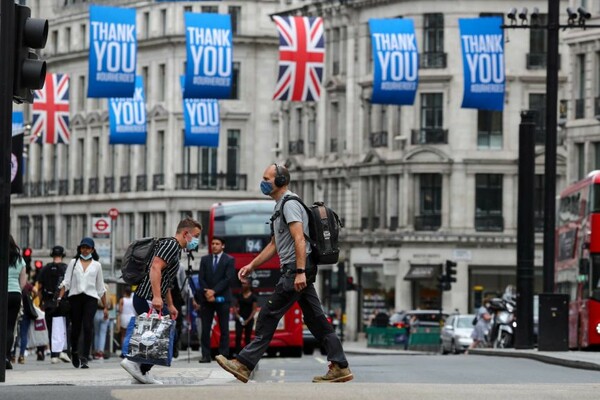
x: 300, y: 270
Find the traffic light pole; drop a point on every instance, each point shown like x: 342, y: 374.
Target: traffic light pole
x: 7, y: 21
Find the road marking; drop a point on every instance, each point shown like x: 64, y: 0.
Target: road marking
x: 320, y: 360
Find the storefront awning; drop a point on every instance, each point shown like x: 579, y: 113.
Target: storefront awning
x: 420, y: 272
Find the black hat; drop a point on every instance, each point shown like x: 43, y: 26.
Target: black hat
x: 58, y: 251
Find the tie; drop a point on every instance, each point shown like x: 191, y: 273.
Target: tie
x: 215, y: 262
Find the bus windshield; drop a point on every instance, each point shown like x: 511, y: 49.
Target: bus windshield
x: 244, y: 225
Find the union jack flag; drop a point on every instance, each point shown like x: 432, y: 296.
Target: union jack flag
x: 301, y: 58
x: 51, y: 111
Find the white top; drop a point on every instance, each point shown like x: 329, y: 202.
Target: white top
x: 90, y: 282
x: 127, y: 312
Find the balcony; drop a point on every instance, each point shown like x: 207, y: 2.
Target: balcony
x: 78, y: 186
x: 296, y: 147
x: 432, y: 60
x: 378, y: 139
x: 429, y: 136
x: 538, y: 60
x: 366, y: 224
x: 428, y: 222
x: 109, y: 184
x: 141, y: 183
x: 93, y: 186
x: 220, y: 181
x: 489, y: 223
x: 158, y: 182
x: 50, y: 188
x: 125, y: 184
x: 579, y: 108
x: 36, y: 189
x: 63, y: 187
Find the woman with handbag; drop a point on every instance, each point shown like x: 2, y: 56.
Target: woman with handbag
x: 85, y: 283
x: 17, y: 278
x: 29, y: 314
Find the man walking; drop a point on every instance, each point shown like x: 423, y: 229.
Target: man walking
x: 289, y: 243
x: 217, y: 271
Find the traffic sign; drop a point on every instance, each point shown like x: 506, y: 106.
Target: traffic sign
x: 101, y: 227
x: 113, y: 213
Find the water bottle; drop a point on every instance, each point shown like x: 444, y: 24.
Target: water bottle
x: 220, y: 299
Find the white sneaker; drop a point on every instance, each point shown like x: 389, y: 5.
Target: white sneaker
x: 150, y: 380
x: 54, y: 360
x: 64, y: 357
x: 134, y: 370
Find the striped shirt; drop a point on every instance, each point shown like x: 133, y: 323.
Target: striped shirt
x: 169, y: 251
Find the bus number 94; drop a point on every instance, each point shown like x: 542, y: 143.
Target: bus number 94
x: 253, y: 245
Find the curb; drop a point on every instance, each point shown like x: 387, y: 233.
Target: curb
x: 548, y: 359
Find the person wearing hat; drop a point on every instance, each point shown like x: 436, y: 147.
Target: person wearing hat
x: 48, y: 280
x: 85, y: 283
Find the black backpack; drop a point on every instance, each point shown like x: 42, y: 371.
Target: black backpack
x: 324, y: 228
x: 137, y: 258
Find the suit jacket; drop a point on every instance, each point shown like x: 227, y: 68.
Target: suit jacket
x: 220, y: 280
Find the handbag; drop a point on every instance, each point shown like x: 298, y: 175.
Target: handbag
x: 28, y: 308
x: 149, y: 339
x: 38, y: 333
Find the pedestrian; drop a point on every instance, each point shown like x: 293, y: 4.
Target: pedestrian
x: 288, y: 241
x: 483, y: 318
x: 217, y: 270
x: 17, y: 279
x: 101, y: 324
x: 155, y: 289
x: 29, y: 290
x: 245, y: 310
x: 85, y: 283
x: 126, y: 311
x: 48, y: 280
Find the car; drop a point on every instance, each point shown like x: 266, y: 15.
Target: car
x: 456, y: 333
x: 310, y: 343
x: 404, y: 319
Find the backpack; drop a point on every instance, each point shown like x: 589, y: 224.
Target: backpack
x: 138, y: 255
x: 323, y: 227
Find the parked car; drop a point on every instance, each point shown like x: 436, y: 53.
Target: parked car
x: 456, y: 333
x: 404, y: 319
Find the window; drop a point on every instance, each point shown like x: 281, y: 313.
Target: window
x: 162, y: 79
x: 432, y: 111
x: 312, y: 135
x: 38, y: 231
x: 538, y: 45
x: 235, y: 81
x: 596, y: 155
x: 538, y: 203
x: 236, y: 19
x: 81, y: 94
x: 146, y: 25
x: 146, y: 231
x: 580, y: 147
x: 489, y: 129
x: 333, y: 130
x: 23, y: 232
x: 210, y: 9
x: 433, y: 41
x: 335, y: 51
x: 95, y: 157
x: 488, y: 202
x: 68, y: 38
x: 83, y: 35
x: 581, y: 80
x: 145, y: 79
x: 51, y: 231
x: 160, y: 145
x: 163, y: 22
x: 537, y: 102
x: 55, y: 41
x: 430, y: 202
x: 233, y: 157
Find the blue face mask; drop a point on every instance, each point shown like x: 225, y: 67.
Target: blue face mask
x: 88, y: 257
x: 193, y: 243
x: 266, y: 187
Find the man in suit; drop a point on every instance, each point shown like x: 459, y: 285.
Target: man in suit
x: 217, y: 271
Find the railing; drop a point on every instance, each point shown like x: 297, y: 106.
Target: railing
x: 63, y: 187
x: 378, y: 139
x: 50, y: 188
x: 296, y: 147
x: 364, y: 223
x: 141, y: 183
x: 489, y: 224
x: 538, y: 60
x: 393, y: 223
x: 36, y: 189
x: 433, y: 60
x: 78, y: 186
x: 109, y: 184
x: 220, y: 181
x: 158, y: 182
x: 93, y: 184
x: 429, y: 136
x: 125, y: 184
x: 579, y: 108
x: 428, y: 222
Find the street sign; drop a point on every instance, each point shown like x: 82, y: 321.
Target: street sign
x: 113, y: 213
x: 101, y: 227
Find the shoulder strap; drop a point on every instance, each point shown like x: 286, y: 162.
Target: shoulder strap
x: 308, y: 212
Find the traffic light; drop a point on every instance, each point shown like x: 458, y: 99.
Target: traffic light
x: 27, y: 257
x: 450, y: 271
x: 350, y: 283
x: 38, y: 264
x: 443, y: 283
x: 29, y: 71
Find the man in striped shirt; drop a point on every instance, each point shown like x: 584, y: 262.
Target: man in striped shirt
x: 155, y: 289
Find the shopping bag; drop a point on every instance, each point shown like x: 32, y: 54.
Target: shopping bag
x: 149, y: 339
x: 38, y: 333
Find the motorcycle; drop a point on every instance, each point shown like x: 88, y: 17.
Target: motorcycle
x: 504, y: 323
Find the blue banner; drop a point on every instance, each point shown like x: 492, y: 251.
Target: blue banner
x: 201, y: 121
x: 17, y: 123
x: 482, y: 43
x: 113, y: 52
x: 395, y: 61
x: 128, y: 117
x: 209, y: 56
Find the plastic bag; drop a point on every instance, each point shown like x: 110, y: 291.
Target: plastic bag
x: 149, y: 339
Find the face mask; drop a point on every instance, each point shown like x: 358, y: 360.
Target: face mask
x: 88, y: 257
x: 191, y: 245
x: 266, y: 187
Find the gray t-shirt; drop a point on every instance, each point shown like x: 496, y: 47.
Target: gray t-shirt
x: 294, y: 212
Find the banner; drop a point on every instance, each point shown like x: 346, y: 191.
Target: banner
x: 201, y: 121
x: 16, y: 156
x: 113, y: 52
x: 395, y: 61
x: 128, y: 117
x: 482, y: 43
x: 209, y: 63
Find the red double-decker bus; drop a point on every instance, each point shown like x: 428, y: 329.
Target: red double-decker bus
x: 577, y: 267
x: 245, y: 227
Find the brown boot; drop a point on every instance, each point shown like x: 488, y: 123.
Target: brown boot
x: 335, y: 374
x: 234, y: 367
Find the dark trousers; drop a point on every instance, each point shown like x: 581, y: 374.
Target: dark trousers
x: 246, y: 330
x: 207, y: 313
x: 14, y: 305
x: 278, y: 304
x: 83, y: 309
